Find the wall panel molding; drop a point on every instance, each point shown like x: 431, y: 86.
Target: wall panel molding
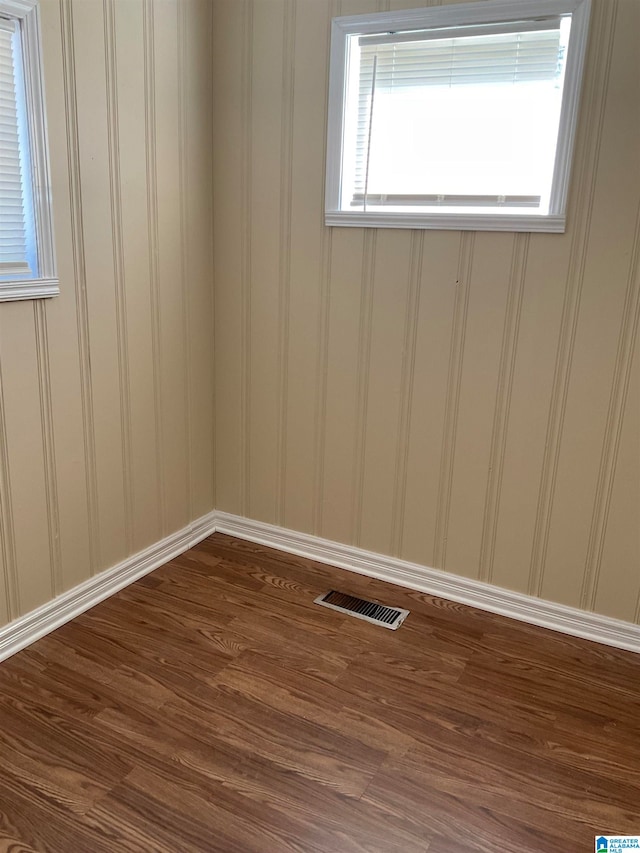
x: 48, y: 445
x: 452, y: 404
x: 367, y: 285
x: 246, y: 187
x: 183, y: 182
x: 593, y: 110
x: 613, y: 430
x: 152, y: 220
x: 322, y: 374
x: 503, y: 402
x: 453, y: 408
x: 81, y: 466
x: 284, y: 260
x: 407, y: 386
x: 80, y: 279
x: 7, y: 535
x: 115, y: 199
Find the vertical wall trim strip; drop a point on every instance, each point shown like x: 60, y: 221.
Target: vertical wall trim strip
x: 183, y: 183
x: 284, y: 290
x: 80, y: 281
x: 502, y: 408
x: 452, y: 403
x: 406, y: 390
x: 362, y: 381
x: 152, y: 225
x: 613, y: 429
x: 636, y: 616
x: 322, y: 374
x: 7, y: 534
x: 595, y: 104
x: 322, y: 380
x: 246, y: 180
x: 213, y: 338
x: 115, y: 198
x: 48, y: 445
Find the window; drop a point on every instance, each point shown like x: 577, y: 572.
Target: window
x: 459, y: 116
x: 27, y: 268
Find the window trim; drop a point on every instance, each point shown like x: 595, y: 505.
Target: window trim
x: 27, y: 13
x: 489, y: 11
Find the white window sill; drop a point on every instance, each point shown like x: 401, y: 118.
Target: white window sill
x: 41, y: 288
x: 449, y: 222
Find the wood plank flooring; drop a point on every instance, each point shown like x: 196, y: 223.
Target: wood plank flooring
x: 213, y: 707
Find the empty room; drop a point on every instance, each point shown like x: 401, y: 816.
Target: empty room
x: 319, y: 426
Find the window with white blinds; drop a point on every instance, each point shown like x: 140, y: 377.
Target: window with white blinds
x: 451, y: 117
x: 26, y: 246
x: 17, y: 232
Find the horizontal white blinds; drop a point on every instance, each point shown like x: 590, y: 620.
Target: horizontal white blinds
x: 398, y: 66
x: 13, y: 229
x: 438, y: 59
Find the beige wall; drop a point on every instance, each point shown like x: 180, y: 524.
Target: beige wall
x: 470, y: 402
x: 106, y: 391
x: 467, y: 401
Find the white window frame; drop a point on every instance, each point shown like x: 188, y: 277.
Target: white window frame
x: 26, y: 13
x: 488, y: 11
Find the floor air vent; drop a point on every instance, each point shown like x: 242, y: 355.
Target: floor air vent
x: 388, y: 617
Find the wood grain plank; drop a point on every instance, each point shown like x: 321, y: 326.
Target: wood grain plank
x: 212, y: 706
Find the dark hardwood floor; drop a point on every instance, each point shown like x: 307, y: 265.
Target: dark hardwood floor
x: 213, y: 707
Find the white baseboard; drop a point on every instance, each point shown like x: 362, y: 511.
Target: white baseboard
x: 516, y: 605
x: 34, y: 625
x: 526, y: 608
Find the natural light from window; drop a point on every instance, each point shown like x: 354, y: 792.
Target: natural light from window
x: 27, y: 258
x: 424, y: 133
x: 459, y: 116
x: 18, y: 258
